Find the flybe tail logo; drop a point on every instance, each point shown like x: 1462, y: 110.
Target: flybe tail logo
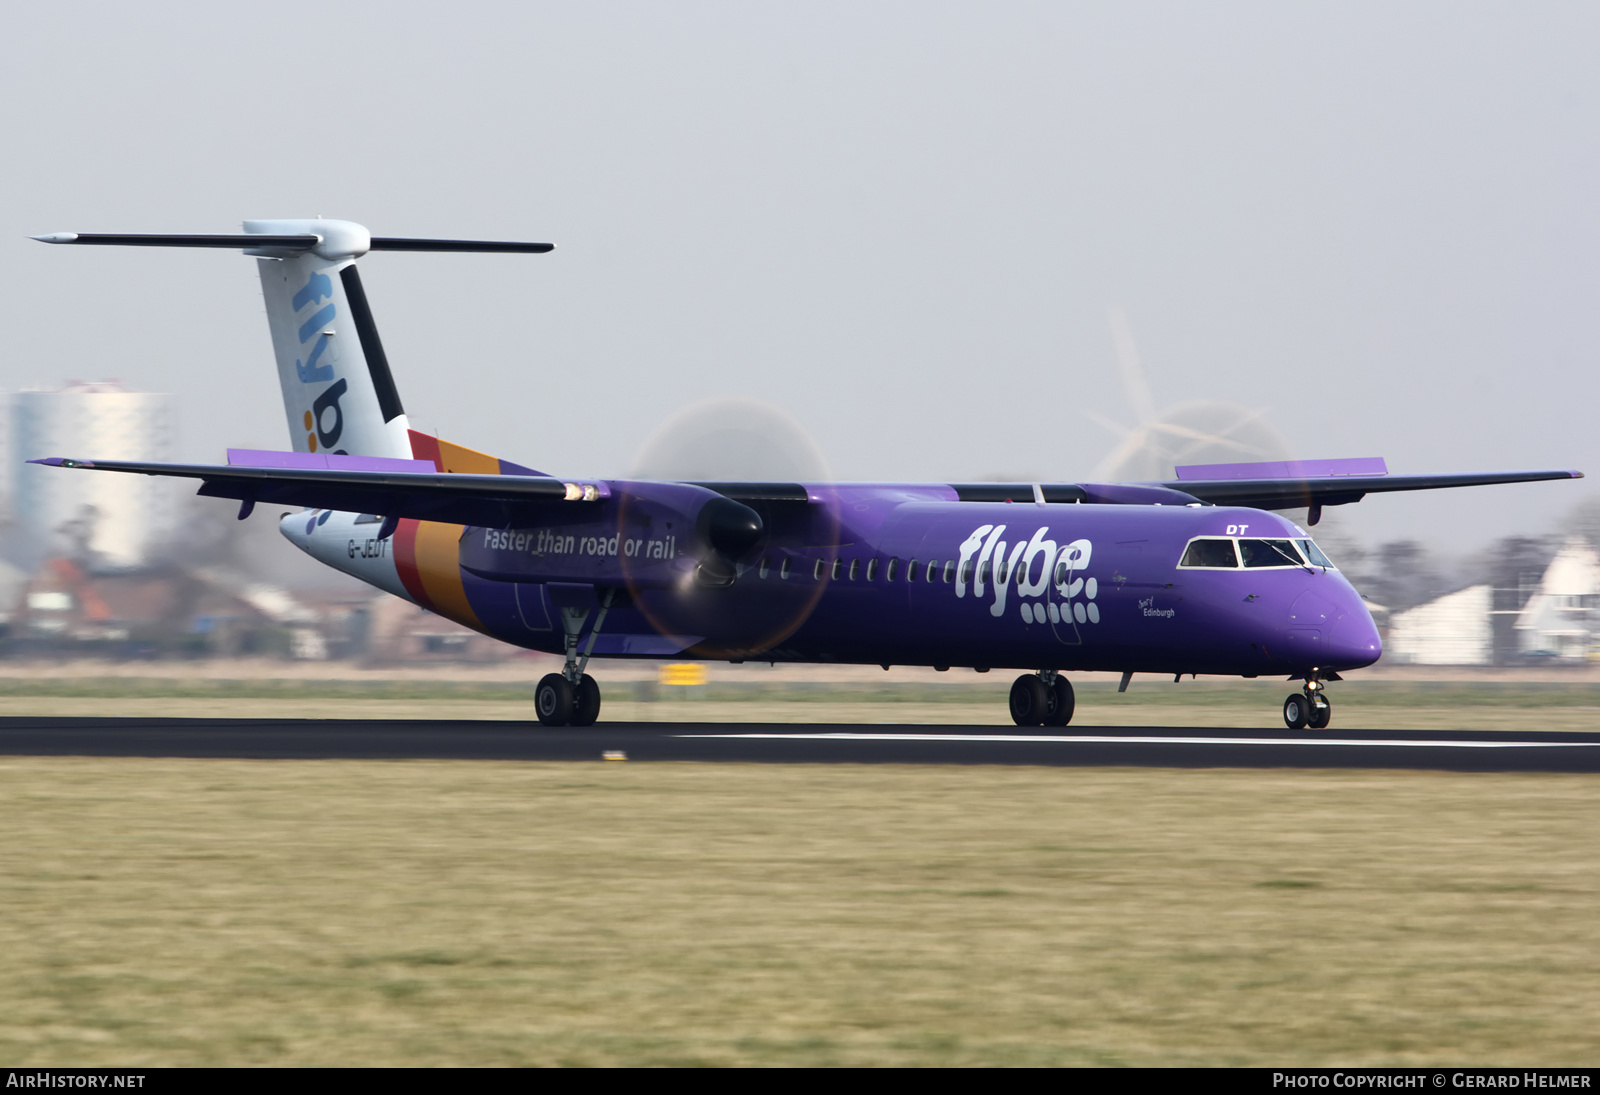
x: 324, y: 422
x: 1037, y: 567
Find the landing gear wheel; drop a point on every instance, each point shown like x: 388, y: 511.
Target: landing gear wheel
x: 1062, y: 703
x: 1297, y: 712
x: 1030, y: 701
x: 553, y: 700
x: 1321, y: 713
x: 586, y: 702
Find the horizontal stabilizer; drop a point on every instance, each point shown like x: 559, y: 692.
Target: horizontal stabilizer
x: 295, y: 242
x: 398, y: 243
x: 127, y: 239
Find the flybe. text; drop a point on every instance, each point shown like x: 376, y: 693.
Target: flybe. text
x: 1036, y: 568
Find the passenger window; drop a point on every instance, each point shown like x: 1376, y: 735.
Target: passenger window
x: 911, y: 571
x: 855, y: 568
x: 765, y: 568
x: 966, y: 571
x: 1210, y: 553
x: 949, y: 570
x: 816, y: 571
x: 838, y: 568
x: 933, y: 568
x: 1269, y: 553
x: 872, y: 571
x: 783, y: 571
x: 889, y: 575
x: 983, y: 572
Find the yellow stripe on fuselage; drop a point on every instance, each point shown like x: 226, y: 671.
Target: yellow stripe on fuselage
x: 439, y: 567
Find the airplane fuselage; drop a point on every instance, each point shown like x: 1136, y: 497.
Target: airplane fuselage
x: 878, y: 574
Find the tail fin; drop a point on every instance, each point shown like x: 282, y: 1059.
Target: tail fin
x: 338, y: 393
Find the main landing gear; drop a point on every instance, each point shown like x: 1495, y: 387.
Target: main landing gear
x: 1042, y: 699
x: 1309, y: 708
x: 572, y: 697
x: 560, y: 703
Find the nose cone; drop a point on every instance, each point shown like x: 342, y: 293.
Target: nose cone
x: 1329, y: 627
x: 1353, y: 639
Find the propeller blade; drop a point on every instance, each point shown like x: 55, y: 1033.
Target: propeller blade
x: 1195, y: 435
x: 1134, y: 380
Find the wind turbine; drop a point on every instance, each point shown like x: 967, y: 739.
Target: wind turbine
x: 1201, y: 431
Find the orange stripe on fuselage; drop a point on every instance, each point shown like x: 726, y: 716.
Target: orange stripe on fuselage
x: 438, y: 563
x: 428, y: 553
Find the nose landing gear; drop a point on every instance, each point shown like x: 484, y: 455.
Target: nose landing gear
x: 1042, y: 699
x: 1309, y: 708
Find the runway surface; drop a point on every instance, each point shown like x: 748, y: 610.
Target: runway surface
x: 1147, y: 747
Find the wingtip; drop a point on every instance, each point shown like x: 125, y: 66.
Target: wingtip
x: 56, y: 237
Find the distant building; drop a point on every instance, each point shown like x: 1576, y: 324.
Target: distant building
x: 1544, y: 612
x: 1453, y: 630
x: 159, y: 611
x: 107, y: 520
x: 1558, y: 621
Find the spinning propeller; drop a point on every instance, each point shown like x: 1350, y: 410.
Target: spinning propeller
x: 754, y: 455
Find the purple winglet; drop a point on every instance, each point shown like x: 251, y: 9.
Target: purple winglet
x: 1287, y: 469
x: 322, y: 461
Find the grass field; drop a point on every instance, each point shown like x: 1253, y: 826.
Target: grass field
x: 343, y: 913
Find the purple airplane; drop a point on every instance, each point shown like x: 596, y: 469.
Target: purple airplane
x: 1188, y: 576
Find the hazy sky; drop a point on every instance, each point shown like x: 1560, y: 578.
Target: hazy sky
x: 902, y: 223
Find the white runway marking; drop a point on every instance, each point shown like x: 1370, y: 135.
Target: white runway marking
x: 1097, y: 739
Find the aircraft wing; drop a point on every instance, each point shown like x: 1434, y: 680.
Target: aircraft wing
x: 488, y: 501
x: 1291, y: 493
x: 1312, y: 484
x: 415, y: 489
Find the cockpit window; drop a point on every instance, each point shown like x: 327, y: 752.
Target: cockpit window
x: 1270, y: 553
x: 1314, y: 554
x: 1210, y: 552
